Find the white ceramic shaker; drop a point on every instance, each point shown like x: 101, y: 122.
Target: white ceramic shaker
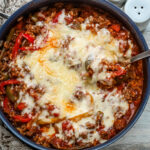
x: 139, y: 12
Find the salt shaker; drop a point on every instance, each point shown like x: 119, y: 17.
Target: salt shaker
x: 139, y: 12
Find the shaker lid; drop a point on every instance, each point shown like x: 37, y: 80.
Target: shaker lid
x: 138, y: 10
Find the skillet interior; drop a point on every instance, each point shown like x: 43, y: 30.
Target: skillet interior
x: 122, y: 18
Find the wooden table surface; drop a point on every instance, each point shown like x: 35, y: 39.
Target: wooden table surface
x: 138, y: 138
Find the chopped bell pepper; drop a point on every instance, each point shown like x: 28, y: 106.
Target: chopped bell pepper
x: 19, y: 25
x: 22, y: 119
x: 116, y: 27
x: 55, y: 19
x: 34, y: 18
x: 6, y: 104
x: 21, y: 106
x: 119, y: 71
x: 8, y: 82
x: 10, y: 94
x: 10, y: 35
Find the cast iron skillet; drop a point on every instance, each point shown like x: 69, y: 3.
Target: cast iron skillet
x: 126, y: 22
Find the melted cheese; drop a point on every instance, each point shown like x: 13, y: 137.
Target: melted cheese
x: 48, y: 132
x: 50, y: 69
x: 30, y: 104
x: 109, y: 106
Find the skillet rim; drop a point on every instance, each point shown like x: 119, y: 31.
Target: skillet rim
x: 135, y: 31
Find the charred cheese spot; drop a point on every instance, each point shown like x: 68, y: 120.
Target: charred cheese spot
x: 70, y: 107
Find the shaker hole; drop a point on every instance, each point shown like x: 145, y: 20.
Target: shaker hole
x: 139, y: 13
x: 142, y: 7
x: 135, y: 7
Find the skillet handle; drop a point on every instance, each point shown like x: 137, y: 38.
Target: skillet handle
x: 3, y: 15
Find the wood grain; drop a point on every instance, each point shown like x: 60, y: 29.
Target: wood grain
x: 138, y: 138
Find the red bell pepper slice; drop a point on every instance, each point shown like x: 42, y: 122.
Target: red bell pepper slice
x: 119, y: 71
x: 18, y: 43
x: 116, y: 27
x: 8, y: 82
x: 21, y: 106
x: 55, y: 19
x: 28, y: 37
x: 6, y: 104
x: 22, y: 119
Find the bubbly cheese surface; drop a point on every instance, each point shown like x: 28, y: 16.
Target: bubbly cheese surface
x: 53, y: 68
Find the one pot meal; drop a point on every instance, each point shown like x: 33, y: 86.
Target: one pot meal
x: 65, y: 78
